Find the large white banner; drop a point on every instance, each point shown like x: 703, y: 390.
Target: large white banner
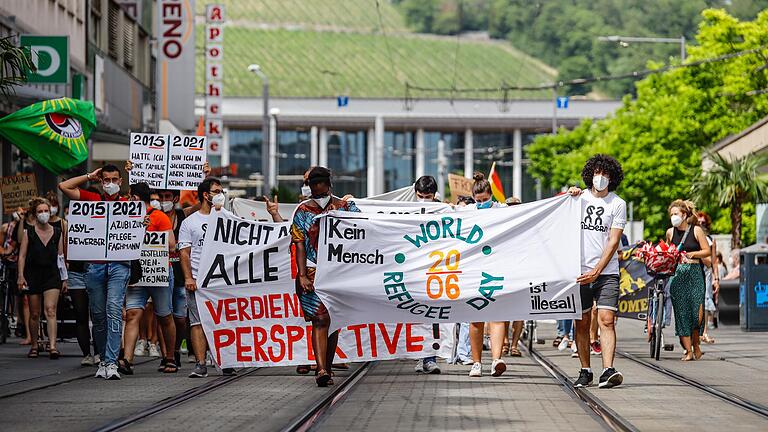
x: 252, y: 315
x: 105, y: 230
x: 509, y: 263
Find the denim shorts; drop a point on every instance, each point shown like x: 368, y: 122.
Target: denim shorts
x: 75, y: 280
x: 180, y: 302
x: 136, y: 298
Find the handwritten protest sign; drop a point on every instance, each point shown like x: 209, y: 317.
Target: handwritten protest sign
x: 460, y: 186
x: 154, y: 260
x: 252, y: 315
x: 167, y: 161
x: 105, y: 230
x: 17, y: 190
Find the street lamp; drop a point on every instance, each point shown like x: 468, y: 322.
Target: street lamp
x: 274, y: 112
x: 265, y: 154
x: 625, y: 40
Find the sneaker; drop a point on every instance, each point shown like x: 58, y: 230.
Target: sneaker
x: 229, y: 372
x: 431, y: 367
x: 141, y: 348
x: 467, y: 362
x: 610, y: 378
x: 112, y: 373
x: 191, y: 358
x: 563, y: 344
x: 419, y: 366
x: 200, y: 371
x: 96, y: 359
x: 574, y: 351
x: 154, y: 350
x: 102, y: 371
x: 498, y: 367
x: 477, y: 370
x: 87, y: 361
x: 585, y: 379
x: 184, y: 349
x: 594, y: 348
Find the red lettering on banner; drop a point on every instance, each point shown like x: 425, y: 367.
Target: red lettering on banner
x: 310, y: 351
x: 413, y: 343
x: 390, y: 343
x: 259, y: 337
x: 242, y: 348
x: 372, y: 333
x: 222, y: 338
x: 242, y: 306
x: 229, y: 311
x: 358, y: 339
x: 295, y: 334
x: 215, y: 314
x: 274, y: 331
x: 340, y: 354
x: 275, y: 309
x: 292, y: 302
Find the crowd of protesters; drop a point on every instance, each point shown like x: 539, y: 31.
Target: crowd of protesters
x: 117, y: 321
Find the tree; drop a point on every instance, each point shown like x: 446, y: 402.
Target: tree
x: 15, y: 62
x: 731, y: 182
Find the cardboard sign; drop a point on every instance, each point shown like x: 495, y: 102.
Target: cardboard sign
x: 459, y: 186
x: 167, y: 161
x: 17, y: 190
x: 105, y: 230
x: 154, y: 260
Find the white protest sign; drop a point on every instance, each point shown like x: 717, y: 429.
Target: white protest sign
x: 252, y: 315
x: 167, y: 161
x: 105, y: 230
x: 498, y: 264
x: 154, y: 260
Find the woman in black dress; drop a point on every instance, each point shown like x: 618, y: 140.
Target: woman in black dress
x: 39, y: 272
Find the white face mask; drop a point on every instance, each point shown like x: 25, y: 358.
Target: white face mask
x: 306, y: 191
x: 43, y: 217
x: 155, y: 204
x: 600, y: 182
x: 322, y: 202
x: 219, y: 199
x: 110, y: 188
x: 167, y: 206
x: 676, y: 220
x: 54, y: 210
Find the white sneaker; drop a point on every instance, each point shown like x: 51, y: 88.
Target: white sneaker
x: 563, y: 344
x: 498, y: 367
x: 477, y: 370
x: 102, y: 372
x: 154, y: 350
x: 87, y: 361
x: 141, y: 348
x: 575, y: 351
x: 96, y: 359
x: 419, y: 366
x: 430, y: 367
x: 467, y: 362
x: 112, y: 373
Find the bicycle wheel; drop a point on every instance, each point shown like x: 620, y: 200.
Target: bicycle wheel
x: 659, y: 323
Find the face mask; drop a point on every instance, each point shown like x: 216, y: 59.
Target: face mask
x: 484, y: 204
x: 306, y: 191
x: 155, y: 204
x: 43, y: 217
x: 676, y: 220
x: 54, y: 210
x: 218, y: 199
x: 600, y: 182
x: 166, y: 206
x: 322, y: 202
x: 110, y: 188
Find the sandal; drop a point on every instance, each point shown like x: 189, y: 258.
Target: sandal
x: 322, y: 378
x: 124, y: 367
x: 33, y: 353
x: 505, y: 348
x: 302, y: 369
x: 54, y: 354
x: 556, y: 342
x: 170, y: 367
x: 708, y: 339
x: 515, y: 352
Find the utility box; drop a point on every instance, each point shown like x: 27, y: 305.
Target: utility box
x: 753, y: 288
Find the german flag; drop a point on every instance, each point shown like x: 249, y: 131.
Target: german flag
x: 496, y: 189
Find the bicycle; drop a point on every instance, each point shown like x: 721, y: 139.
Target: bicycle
x: 660, y: 264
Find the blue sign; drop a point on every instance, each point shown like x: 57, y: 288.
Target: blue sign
x: 761, y: 295
x: 562, y: 102
x: 342, y: 101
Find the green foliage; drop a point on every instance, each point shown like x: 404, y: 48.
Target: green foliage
x: 15, y: 62
x: 659, y: 136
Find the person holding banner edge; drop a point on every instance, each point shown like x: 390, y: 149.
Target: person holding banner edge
x: 305, y: 232
x: 604, y: 216
x: 105, y: 282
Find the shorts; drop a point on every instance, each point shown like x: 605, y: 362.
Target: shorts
x: 75, y: 280
x: 604, y: 291
x: 179, y: 302
x: 194, y: 314
x: 136, y: 298
x: 311, y: 305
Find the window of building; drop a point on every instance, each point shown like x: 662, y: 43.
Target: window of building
x: 245, y: 151
x: 348, y: 160
x: 399, y: 160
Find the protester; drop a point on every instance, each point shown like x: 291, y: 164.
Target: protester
x: 687, y: 287
x: 190, y: 245
x: 9, y: 257
x: 481, y: 193
x: 425, y: 189
x: 105, y: 281
x: 136, y: 296
x: 26, y: 222
x: 305, y: 232
x: 42, y: 273
x: 604, y: 215
x: 711, y: 276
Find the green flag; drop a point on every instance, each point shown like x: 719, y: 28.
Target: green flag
x: 53, y: 132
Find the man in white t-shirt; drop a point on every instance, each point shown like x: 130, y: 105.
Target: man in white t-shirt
x: 190, y: 246
x: 603, y: 217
